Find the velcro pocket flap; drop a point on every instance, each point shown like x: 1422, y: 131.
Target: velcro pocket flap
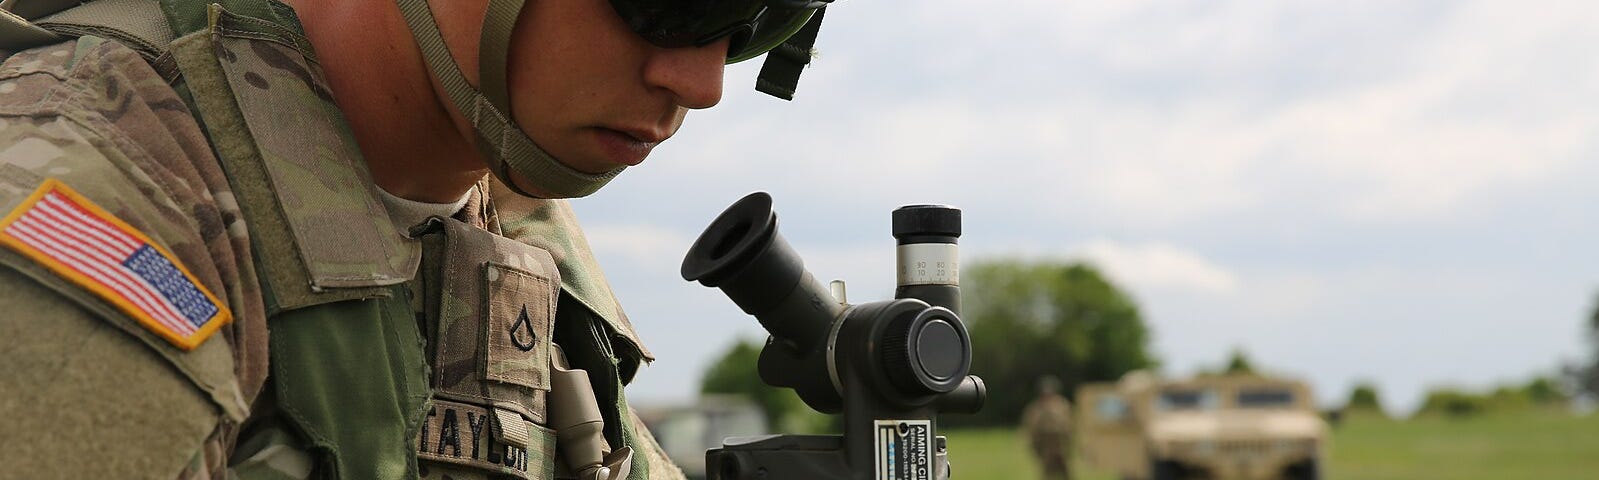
x: 512, y: 429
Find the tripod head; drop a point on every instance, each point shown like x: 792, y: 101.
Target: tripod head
x: 889, y: 366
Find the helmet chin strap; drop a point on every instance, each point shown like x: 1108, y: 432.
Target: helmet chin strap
x: 505, y: 147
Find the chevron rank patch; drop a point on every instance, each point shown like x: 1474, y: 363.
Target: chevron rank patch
x: 83, y: 243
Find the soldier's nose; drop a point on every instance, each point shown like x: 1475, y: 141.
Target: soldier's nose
x: 693, y: 75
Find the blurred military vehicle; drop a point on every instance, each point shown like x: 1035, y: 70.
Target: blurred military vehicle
x: 1216, y: 427
x: 686, y: 431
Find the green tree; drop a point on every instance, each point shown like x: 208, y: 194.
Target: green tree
x: 1031, y: 319
x: 735, y: 374
x: 1544, y: 391
x: 1238, y: 363
x: 1584, y: 374
x: 1363, y: 398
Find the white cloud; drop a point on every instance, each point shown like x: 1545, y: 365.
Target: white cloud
x: 1173, y: 113
x: 1160, y: 266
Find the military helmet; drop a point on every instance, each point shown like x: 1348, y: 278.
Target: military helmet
x: 787, y: 28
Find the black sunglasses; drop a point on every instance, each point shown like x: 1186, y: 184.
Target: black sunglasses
x: 755, y: 26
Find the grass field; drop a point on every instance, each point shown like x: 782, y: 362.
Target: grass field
x: 1541, y: 446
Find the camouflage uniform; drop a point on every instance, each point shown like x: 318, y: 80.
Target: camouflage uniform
x: 393, y: 351
x: 1047, y: 426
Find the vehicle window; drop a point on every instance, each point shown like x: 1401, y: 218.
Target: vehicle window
x: 1110, y: 408
x: 1186, y: 399
x: 1265, y: 398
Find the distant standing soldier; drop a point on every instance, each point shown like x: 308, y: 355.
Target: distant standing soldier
x: 1047, y: 424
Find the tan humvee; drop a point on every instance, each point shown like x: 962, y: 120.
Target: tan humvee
x: 1218, y: 427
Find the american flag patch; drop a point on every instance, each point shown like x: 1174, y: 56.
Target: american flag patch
x: 88, y: 246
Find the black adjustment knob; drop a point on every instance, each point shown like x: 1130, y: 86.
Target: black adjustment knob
x: 926, y: 352
x: 927, y: 224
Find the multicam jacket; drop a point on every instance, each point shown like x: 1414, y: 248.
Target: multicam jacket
x: 1047, y: 426
x: 312, y: 337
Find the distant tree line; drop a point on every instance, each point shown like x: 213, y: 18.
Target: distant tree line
x: 1540, y: 392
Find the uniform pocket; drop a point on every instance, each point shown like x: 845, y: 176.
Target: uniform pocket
x: 496, y: 306
x: 518, y: 330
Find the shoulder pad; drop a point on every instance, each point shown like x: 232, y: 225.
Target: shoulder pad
x: 135, y: 229
x: 320, y: 232
x: 17, y: 33
x: 66, y: 242
x: 137, y: 24
x: 61, y: 230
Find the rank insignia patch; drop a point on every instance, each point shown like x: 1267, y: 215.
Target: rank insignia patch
x: 88, y: 246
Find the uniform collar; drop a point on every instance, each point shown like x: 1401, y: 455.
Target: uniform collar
x: 553, y: 226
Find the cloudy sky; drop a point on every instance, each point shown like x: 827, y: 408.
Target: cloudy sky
x: 1399, y: 191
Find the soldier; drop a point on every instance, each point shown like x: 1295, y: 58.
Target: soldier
x: 1047, y: 426
x: 257, y: 240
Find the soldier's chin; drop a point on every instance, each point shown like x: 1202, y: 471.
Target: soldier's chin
x: 522, y: 183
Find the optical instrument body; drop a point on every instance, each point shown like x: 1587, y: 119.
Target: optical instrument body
x: 890, y: 367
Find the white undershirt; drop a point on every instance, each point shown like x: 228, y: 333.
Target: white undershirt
x: 407, y: 213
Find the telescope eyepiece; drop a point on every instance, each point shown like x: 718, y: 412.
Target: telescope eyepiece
x: 743, y: 253
x: 732, y: 241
